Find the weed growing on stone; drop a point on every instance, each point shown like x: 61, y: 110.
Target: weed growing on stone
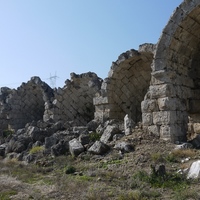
x: 94, y: 136
x: 36, y: 149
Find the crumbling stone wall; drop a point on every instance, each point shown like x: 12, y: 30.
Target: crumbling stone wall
x: 174, y: 93
x: 25, y: 104
x: 127, y: 83
x: 4, y: 108
x: 74, y: 102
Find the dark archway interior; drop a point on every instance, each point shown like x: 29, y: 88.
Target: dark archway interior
x: 129, y: 85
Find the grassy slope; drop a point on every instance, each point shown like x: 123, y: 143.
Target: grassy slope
x: 103, y: 177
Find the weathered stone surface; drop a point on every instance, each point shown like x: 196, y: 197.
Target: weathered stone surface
x: 75, y: 147
x: 129, y: 124
x: 194, y: 171
x: 60, y: 149
x: 196, y: 128
x: 37, y: 134
x: 50, y: 141
x: 131, y: 73
x: 109, y: 132
x: 99, y: 148
x: 74, y: 102
x: 17, y: 144
x: 92, y: 125
x: 124, y: 147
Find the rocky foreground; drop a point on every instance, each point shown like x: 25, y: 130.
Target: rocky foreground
x: 98, y: 161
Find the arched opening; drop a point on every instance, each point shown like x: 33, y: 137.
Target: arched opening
x: 126, y: 85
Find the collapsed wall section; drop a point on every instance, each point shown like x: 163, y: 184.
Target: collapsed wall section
x: 74, y: 102
x: 24, y: 104
x: 127, y: 83
x: 174, y: 95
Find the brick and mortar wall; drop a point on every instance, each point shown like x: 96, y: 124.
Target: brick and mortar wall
x: 174, y: 94
x: 127, y: 83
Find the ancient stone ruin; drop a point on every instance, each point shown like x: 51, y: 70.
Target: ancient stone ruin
x: 127, y: 83
x: 156, y: 86
x: 172, y: 100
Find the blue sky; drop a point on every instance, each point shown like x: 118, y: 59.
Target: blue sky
x: 43, y: 37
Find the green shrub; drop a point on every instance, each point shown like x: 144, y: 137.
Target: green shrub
x: 94, y: 136
x: 7, y: 133
x: 70, y: 169
x: 173, y: 181
x: 36, y: 149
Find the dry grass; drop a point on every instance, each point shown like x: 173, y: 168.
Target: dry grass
x: 184, y: 153
x: 96, y: 177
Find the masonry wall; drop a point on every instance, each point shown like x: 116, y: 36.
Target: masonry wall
x: 174, y: 95
x: 25, y: 104
x: 127, y: 83
x: 74, y: 102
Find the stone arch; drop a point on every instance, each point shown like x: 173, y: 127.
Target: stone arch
x: 174, y: 93
x: 127, y: 83
x: 27, y: 103
x: 74, y: 102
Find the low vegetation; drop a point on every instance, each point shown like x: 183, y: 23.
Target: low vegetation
x: 150, y: 172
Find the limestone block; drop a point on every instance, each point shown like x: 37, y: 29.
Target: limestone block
x: 159, y: 91
x: 164, y: 117
x: 75, y: 147
x: 166, y: 132
x: 149, y: 105
x: 108, y: 133
x: 154, y: 129
x: 147, y: 119
x: 196, y: 127
x: 128, y: 125
x: 172, y: 104
x: 194, y: 171
x: 124, y: 147
x: 173, y: 132
x: 98, y: 148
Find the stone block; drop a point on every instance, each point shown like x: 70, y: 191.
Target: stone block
x: 173, y: 132
x: 109, y: 132
x: 75, y: 147
x: 160, y: 91
x: 164, y: 117
x: 99, y: 148
x: 196, y: 127
x: 149, y: 105
x: 147, y: 119
x: 154, y: 130
x: 172, y: 104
